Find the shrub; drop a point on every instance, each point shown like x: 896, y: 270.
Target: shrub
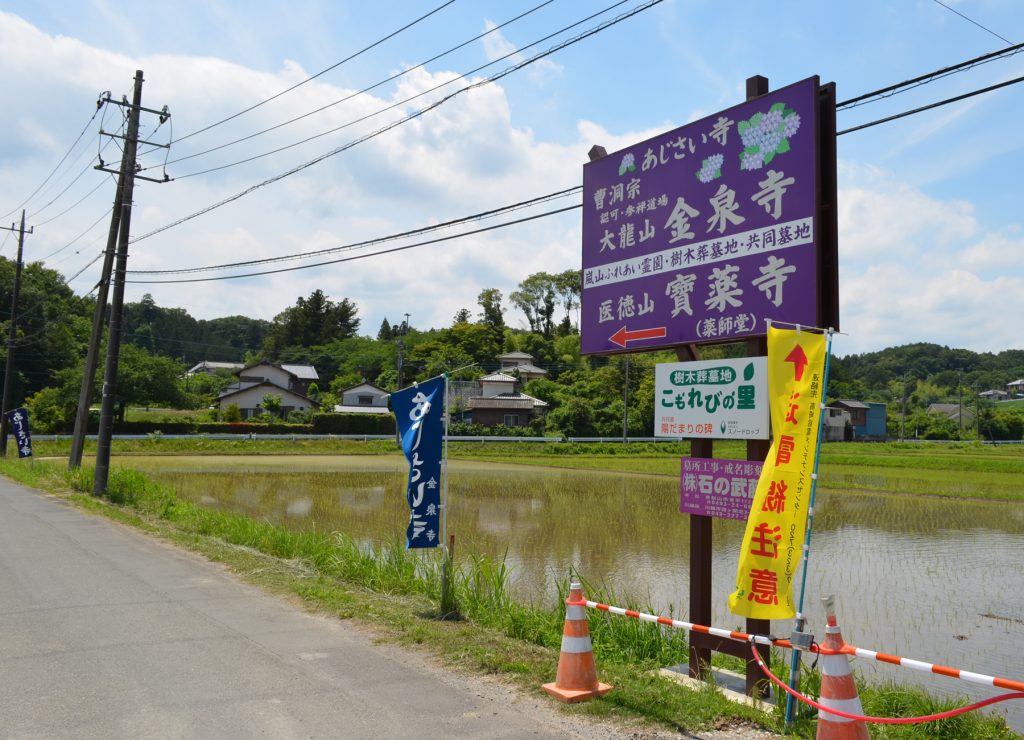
x: 327, y: 423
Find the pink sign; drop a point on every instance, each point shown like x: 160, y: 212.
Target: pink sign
x: 718, y: 488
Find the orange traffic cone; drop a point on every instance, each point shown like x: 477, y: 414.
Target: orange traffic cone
x: 838, y: 690
x: 577, y: 674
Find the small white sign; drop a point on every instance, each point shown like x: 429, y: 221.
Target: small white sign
x: 712, y: 399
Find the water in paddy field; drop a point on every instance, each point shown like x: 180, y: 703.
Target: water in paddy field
x: 934, y: 579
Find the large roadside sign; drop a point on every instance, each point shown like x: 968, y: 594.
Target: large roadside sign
x: 700, y: 234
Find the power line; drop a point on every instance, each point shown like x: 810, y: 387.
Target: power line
x: 362, y: 256
x: 73, y: 205
x: 99, y: 104
x: 399, y: 103
x: 938, y: 104
x: 969, y: 20
x: 924, y: 79
x: 379, y: 240
x: 497, y: 211
x: 252, y: 188
x: 318, y: 74
x: 361, y: 92
x: 70, y: 243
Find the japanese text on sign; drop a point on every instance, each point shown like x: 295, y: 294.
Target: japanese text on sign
x: 774, y: 535
x: 705, y: 231
x: 718, y: 488
x: 714, y: 399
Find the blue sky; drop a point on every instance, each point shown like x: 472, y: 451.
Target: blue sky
x: 931, y: 239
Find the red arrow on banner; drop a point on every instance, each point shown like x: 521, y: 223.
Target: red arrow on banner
x: 622, y: 336
x: 799, y: 359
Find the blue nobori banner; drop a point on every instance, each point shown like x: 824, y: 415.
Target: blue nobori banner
x: 419, y: 412
x: 18, y: 419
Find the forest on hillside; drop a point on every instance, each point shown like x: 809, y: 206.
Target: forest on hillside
x: 587, y: 396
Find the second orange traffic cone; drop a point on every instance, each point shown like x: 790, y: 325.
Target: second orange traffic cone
x: 577, y: 674
x: 838, y: 690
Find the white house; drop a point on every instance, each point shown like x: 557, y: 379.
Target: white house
x: 288, y: 382
x: 364, y: 398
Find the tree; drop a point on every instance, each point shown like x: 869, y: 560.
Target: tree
x: 492, y: 314
x: 385, y: 333
x: 145, y: 379
x: 569, y: 285
x: 536, y: 299
x: 462, y: 316
x: 312, y: 321
x: 272, y: 404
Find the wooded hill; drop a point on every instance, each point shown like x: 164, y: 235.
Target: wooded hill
x: 587, y: 396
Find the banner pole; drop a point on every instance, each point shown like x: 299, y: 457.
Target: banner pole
x: 445, y: 585
x: 444, y: 474
x: 794, y: 666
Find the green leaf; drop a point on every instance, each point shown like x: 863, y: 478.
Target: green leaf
x: 769, y: 157
x: 783, y: 147
x: 750, y: 150
x: 718, y: 173
x: 748, y: 371
x: 742, y: 128
x: 756, y: 119
x: 778, y: 106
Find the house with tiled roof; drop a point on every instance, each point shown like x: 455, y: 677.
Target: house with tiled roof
x: 522, y: 363
x: 501, y: 402
x: 288, y: 382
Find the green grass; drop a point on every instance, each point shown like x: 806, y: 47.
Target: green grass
x: 397, y: 591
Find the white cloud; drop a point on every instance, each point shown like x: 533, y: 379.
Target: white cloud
x: 879, y: 215
x: 496, y: 46
x: 914, y: 267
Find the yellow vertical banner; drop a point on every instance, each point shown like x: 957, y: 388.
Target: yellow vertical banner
x: 774, y: 537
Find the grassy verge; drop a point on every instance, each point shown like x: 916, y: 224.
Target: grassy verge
x: 397, y: 591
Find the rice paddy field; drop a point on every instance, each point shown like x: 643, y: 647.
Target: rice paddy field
x: 921, y: 544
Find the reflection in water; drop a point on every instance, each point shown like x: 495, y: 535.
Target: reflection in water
x: 928, y: 578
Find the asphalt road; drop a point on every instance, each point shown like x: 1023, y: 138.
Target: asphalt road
x: 108, y: 633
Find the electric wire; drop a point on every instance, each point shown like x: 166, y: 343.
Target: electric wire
x: 930, y: 106
x: 363, y: 256
x: 73, y: 241
x: 924, y: 79
x: 970, y: 20
x: 345, y: 247
x: 318, y: 74
x: 99, y: 105
x: 375, y: 85
x: 506, y: 208
x: 397, y: 104
x: 100, y: 184
x: 252, y: 188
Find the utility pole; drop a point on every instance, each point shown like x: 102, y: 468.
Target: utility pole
x: 11, y: 336
x: 960, y: 403
x: 99, y: 313
x: 128, y: 168
x: 903, y: 408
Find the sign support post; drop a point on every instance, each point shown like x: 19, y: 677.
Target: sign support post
x: 698, y: 236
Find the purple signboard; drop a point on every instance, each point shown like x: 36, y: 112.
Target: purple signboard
x: 700, y: 234
x: 718, y: 488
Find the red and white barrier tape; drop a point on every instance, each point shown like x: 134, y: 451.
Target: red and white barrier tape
x: 917, y: 665
x: 881, y: 720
